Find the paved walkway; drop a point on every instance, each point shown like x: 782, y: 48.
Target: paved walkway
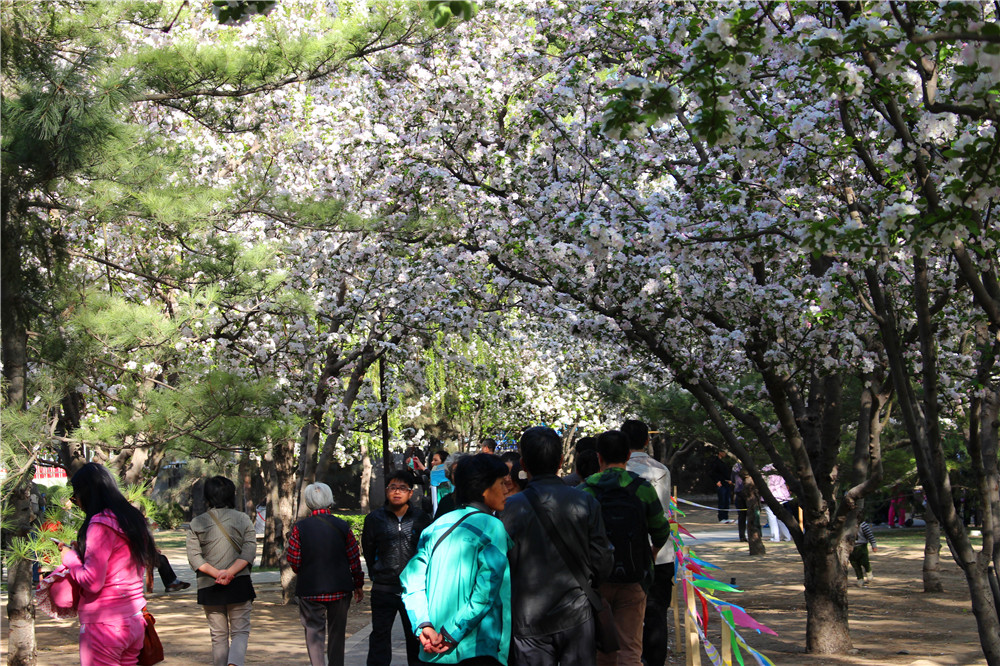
x: 356, y: 649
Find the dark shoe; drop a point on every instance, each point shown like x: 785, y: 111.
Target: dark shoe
x: 178, y: 585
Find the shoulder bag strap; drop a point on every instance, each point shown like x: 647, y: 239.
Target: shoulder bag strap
x: 572, y: 563
x: 452, y: 529
x: 232, y: 541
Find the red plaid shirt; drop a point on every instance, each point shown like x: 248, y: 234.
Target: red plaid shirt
x: 294, y: 557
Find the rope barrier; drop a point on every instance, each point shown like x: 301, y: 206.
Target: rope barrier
x: 702, y: 506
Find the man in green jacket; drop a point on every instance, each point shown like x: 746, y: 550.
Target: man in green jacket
x: 631, y: 510
x: 456, y: 589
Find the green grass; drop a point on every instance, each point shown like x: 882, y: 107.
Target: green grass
x: 170, y: 539
x: 912, y: 537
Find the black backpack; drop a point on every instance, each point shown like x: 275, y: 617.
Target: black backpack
x: 625, y: 523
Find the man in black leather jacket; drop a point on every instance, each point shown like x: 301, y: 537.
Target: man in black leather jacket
x: 552, y: 618
x: 388, y: 541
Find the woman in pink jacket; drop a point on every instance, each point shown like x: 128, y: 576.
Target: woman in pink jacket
x: 108, y: 559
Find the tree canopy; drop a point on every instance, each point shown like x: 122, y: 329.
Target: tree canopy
x: 218, y: 227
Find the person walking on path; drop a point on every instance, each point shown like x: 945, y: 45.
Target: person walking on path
x: 552, y: 616
x: 388, y: 541
x: 221, y: 546
x: 456, y: 589
x: 776, y: 484
x: 859, y: 554
x: 113, y: 548
x: 322, y: 550
x: 719, y: 472
x: 633, y: 516
x: 654, y: 626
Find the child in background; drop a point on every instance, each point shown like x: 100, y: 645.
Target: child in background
x: 897, y: 507
x: 859, y: 556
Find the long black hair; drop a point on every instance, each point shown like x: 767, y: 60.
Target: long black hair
x: 96, y: 490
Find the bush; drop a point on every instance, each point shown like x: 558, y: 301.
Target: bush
x: 357, y: 523
x: 167, y: 516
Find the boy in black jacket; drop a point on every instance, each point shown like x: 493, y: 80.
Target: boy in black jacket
x: 388, y: 541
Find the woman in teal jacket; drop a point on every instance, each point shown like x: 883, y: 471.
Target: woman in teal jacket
x: 457, y: 587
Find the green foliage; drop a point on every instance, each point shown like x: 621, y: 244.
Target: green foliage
x: 237, y: 12
x: 357, y: 523
x: 61, y: 520
x: 22, y: 549
x: 444, y: 10
x: 166, y: 515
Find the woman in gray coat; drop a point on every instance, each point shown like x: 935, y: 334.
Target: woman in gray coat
x: 221, y: 546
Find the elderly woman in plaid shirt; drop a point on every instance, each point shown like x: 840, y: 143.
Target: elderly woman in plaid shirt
x: 322, y: 550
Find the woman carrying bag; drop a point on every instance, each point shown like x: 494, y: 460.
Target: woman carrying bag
x: 107, y: 562
x: 221, y: 546
x: 456, y: 588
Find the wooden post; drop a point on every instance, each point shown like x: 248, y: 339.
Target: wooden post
x: 674, y: 600
x: 693, y: 648
x: 727, y: 644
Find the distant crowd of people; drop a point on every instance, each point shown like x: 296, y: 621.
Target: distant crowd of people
x: 487, y: 558
x: 513, y: 564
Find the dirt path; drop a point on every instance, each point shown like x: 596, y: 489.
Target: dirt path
x: 892, y: 622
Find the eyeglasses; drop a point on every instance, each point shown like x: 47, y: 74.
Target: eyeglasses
x: 402, y: 489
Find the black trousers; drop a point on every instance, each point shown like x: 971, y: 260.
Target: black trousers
x: 723, y: 492
x: 654, y: 626
x: 167, y: 574
x: 571, y: 647
x: 741, y: 514
x: 385, y: 605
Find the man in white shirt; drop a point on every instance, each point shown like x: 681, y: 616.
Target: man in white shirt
x: 654, y: 631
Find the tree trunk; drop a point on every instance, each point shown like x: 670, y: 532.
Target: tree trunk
x: 985, y: 610
x: 21, y: 599
x: 72, y: 457
x: 932, y: 552
x: 131, y: 471
x: 12, y: 312
x: 279, y: 474
x: 20, y: 614
x: 14, y: 355
x: 308, y: 453
x: 825, y: 568
x: 366, y: 480
x: 243, y: 501
x: 754, y: 538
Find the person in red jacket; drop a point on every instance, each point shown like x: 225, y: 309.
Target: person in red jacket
x: 322, y: 550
